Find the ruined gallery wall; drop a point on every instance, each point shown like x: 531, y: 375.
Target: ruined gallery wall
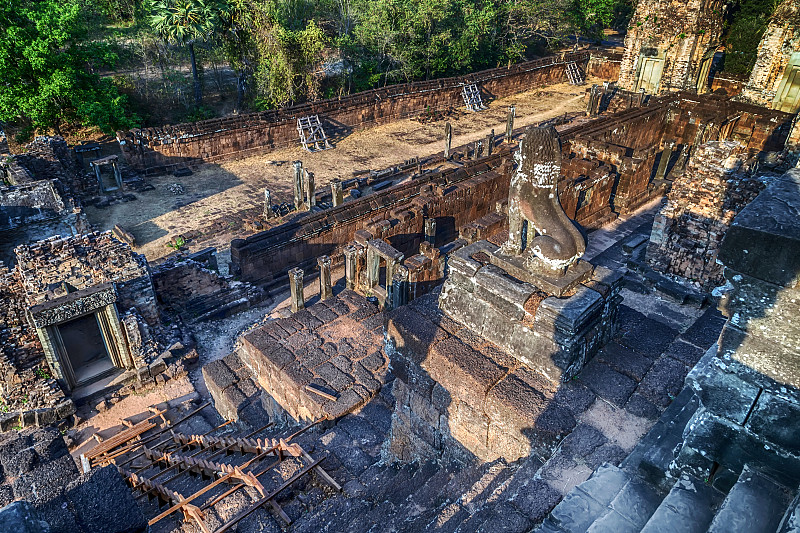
x: 679, y: 32
x: 604, y: 65
x: 454, y: 197
x: 158, y: 149
x: 28, y: 398
x: 83, y: 262
x: 29, y: 203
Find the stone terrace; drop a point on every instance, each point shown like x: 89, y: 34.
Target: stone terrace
x: 321, y: 362
x: 602, y: 414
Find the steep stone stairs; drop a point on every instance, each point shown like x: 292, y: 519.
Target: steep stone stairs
x: 642, y: 496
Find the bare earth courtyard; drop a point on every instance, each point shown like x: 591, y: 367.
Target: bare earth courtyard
x: 225, y: 188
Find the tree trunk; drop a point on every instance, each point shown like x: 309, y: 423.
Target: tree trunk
x: 198, y: 95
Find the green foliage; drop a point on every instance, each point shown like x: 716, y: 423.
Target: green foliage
x: 185, y: 22
x: 42, y: 373
x: 49, y: 69
x: 746, y: 23
x: 179, y: 243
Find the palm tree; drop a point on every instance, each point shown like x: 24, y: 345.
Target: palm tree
x: 185, y: 22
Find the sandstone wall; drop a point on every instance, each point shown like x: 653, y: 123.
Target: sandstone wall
x: 780, y: 41
x: 159, y: 149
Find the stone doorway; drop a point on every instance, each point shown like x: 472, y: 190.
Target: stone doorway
x: 650, y: 74
x: 86, y: 349
x: 787, y: 97
x: 81, y: 335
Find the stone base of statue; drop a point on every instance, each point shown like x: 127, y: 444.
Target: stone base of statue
x: 534, y: 271
x: 552, y: 324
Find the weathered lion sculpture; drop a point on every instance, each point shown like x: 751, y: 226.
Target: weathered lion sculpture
x: 553, y: 240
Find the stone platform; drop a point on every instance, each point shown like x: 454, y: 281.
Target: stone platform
x: 322, y: 362
x: 550, y: 335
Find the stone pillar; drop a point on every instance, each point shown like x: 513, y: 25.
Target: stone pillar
x: 351, y: 254
x: 99, y: 177
x: 117, y: 174
x: 430, y: 231
x: 325, y: 287
x: 397, y: 289
x: 308, y: 186
x: 640, y: 98
x: 666, y: 154
x: 476, y: 150
x: 374, y: 267
x: 267, y: 204
x: 512, y: 112
x: 297, y: 167
x: 448, y: 139
x: 489, y: 143
x: 296, y: 289
x: 593, y: 108
x: 336, y: 192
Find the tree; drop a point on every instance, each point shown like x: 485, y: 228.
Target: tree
x: 48, y: 69
x: 185, y: 22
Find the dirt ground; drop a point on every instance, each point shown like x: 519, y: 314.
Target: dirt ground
x: 218, y: 189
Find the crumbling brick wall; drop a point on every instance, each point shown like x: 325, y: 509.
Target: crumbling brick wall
x: 85, y: 261
x: 679, y: 32
x: 159, y: 149
x: 195, y: 292
x: 700, y: 207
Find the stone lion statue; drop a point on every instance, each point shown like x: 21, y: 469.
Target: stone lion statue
x: 553, y: 240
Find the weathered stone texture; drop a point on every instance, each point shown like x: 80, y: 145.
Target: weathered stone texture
x: 780, y: 41
x: 749, y: 389
x: 700, y: 207
x: 678, y: 32
x: 85, y: 261
x: 194, y: 291
x: 334, y: 347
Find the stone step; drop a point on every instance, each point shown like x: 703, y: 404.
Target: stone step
x: 688, y: 508
x: 651, y: 458
x: 587, y: 502
x: 629, y: 510
x: 791, y: 520
x: 756, y: 504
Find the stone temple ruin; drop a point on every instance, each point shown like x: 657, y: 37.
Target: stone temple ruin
x: 585, y: 324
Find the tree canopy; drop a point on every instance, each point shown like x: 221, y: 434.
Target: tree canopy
x: 48, y: 69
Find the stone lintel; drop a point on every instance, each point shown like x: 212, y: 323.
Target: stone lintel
x: 73, y: 305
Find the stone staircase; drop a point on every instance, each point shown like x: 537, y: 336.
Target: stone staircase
x: 618, y: 501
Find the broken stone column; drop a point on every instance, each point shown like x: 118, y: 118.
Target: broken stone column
x: 640, y: 98
x: 397, y: 288
x: 267, y: 204
x: 325, y: 287
x: 336, y: 192
x: 351, y: 254
x: 476, y: 150
x: 512, y: 111
x: 308, y: 186
x: 296, y: 289
x: 595, y: 96
x: 489, y: 143
x: 297, y: 167
x: 448, y: 139
x: 430, y: 231
x: 666, y: 154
